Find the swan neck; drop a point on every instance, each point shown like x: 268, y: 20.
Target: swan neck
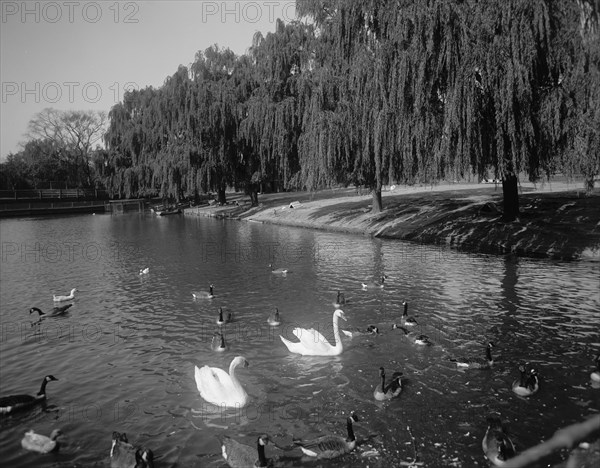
x: 336, y: 332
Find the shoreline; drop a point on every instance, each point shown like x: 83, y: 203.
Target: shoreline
x: 557, y: 220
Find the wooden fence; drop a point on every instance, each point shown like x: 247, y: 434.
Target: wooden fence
x: 45, y: 194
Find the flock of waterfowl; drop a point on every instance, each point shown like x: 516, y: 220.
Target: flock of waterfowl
x: 223, y: 388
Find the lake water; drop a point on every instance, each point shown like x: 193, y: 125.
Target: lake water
x: 125, y: 353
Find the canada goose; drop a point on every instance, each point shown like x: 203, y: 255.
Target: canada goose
x: 220, y: 388
x: 238, y: 455
x: 65, y: 298
x: 55, y: 311
x: 218, y: 343
x: 125, y: 455
x: 406, y: 320
x: 41, y: 443
x: 278, y: 271
x: 414, y: 337
x: 370, y: 330
x: 475, y: 362
x: 223, y: 319
x: 312, y: 343
x: 204, y: 294
x: 330, y: 446
x: 527, y: 384
x: 274, y: 319
x: 375, y: 284
x: 13, y: 403
x: 383, y: 392
x: 496, y: 444
x: 340, y: 300
x: 595, y: 376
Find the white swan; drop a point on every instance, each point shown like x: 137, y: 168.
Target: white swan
x: 312, y: 343
x: 220, y: 388
x: 65, y: 298
x: 144, y: 271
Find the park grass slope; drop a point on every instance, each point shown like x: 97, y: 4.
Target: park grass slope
x: 558, y: 224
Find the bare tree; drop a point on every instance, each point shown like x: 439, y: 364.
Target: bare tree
x: 73, y: 132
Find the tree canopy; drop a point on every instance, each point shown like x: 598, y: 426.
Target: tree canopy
x: 373, y: 93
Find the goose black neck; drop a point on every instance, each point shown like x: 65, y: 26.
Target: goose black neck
x: 383, y: 382
x: 351, y: 429
x: 488, y: 353
x: 523, y: 380
x: 262, y: 459
x: 222, y: 341
x: 405, y: 313
x: 43, y: 387
x: 210, y: 290
x: 220, y: 315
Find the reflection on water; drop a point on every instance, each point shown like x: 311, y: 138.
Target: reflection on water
x: 125, y: 352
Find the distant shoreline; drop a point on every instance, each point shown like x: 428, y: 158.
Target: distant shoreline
x: 557, y: 221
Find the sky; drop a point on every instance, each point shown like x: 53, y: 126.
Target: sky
x: 83, y: 55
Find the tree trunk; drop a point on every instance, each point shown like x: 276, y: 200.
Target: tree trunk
x: 510, y: 192
x: 377, y: 206
x: 221, y: 198
x: 589, y: 185
x: 254, y: 196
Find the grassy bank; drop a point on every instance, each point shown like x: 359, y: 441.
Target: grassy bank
x: 557, y: 221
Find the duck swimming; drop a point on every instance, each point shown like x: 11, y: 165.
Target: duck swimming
x: 330, y: 446
x: 10, y: 404
x: 41, y: 443
x: 383, y: 392
x: 125, y: 455
x: 238, y: 455
x: 55, y: 311
x: 144, y: 271
x: 496, y: 444
x: 65, y: 298
x: 312, y: 343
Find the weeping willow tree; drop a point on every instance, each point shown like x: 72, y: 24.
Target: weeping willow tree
x: 375, y: 114
x: 216, y: 113
x: 271, y: 115
x: 574, y: 107
x: 447, y: 88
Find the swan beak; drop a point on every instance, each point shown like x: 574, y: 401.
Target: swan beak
x: 344, y: 317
